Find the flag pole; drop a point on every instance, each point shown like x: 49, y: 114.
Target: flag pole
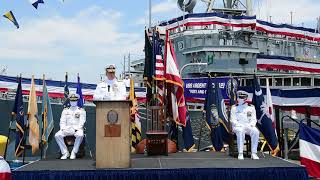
x: 203, y: 112
x: 200, y: 134
x: 42, y: 127
x: 165, y: 92
x: 27, y: 127
x: 8, y: 134
x: 231, y: 147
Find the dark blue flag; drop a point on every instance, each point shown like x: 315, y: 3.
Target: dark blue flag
x: 264, y: 123
x: 147, y: 74
x: 187, y: 135
x: 155, y: 51
x: 212, y: 116
x: 232, y: 83
x: 222, y: 112
x: 173, y: 132
x: 79, y: 92
x: 36, y: 3
x: 19, y: 117
x: 231, y: 89
x: 66, y: 93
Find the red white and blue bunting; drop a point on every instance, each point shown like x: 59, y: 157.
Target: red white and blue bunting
x: 55, y: 88
x: 265, y: 62
x: 204, y: 19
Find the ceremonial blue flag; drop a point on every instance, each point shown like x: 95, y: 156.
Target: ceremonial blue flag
x: 222, y: 111
x: 79, y: 92
x: 231, y: 89
x: 212, y: 116
x: 147, y: 73
x: 66, y: 102
x: 173, y: 132
x: 19, y: 117
x: 264, y: 121
x: 47, y: 118
x: 187, y: 135
x: 232, y: 83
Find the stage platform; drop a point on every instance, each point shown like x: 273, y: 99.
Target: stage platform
x: 200, y: 165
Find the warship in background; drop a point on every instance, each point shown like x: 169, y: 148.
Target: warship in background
x: 232, y: 41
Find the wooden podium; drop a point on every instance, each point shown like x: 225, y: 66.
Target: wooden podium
x: 113, y: 134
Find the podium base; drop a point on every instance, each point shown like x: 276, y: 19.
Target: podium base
x: 172, y: 147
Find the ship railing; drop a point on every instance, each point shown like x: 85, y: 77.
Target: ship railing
x: 290, y: 136
x: 283, y: 80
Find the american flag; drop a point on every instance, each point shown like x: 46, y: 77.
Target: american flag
x: 159, y: 67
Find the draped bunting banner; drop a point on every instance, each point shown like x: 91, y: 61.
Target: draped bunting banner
x: 288, y: 30
x: 265, y: 62
x: 205, y: 19
x: 55, y: 88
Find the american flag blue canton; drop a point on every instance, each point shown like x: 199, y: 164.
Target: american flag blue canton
x: 264, y: 123
x: 156, y: 50
x: 19, y: 117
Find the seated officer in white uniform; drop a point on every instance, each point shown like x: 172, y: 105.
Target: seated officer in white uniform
x: 243, y: 121
x: 71, y: 124
x: 110, y: 88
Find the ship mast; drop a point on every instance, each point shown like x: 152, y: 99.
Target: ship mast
x: 231, y: 6
x: 3, y: 71
x: 228, y: 4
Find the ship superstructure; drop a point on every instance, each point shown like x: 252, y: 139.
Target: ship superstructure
x: 233, y: 40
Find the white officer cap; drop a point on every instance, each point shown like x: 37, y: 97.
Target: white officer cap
x: 242, y: 94
x: 111, y: 68
x: 74, y: 97
x: 213, y: 106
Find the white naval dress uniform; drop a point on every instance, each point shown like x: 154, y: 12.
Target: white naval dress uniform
x: 71, y: 124
x: 243, y: 120
x: 110, y: 90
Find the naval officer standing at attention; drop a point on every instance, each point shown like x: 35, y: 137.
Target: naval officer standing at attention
x: 243, y: 120
x: 71, y: 124
x: 110, y: 88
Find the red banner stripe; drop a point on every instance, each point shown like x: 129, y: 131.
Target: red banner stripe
x: 313, y: 167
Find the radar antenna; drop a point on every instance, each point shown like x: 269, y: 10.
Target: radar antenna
x: 3, y: 71
x: 228, y: 5
x: 186, y: 5
x: 318, y: 24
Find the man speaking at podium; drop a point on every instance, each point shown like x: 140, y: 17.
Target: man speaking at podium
x: 110, y: 88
